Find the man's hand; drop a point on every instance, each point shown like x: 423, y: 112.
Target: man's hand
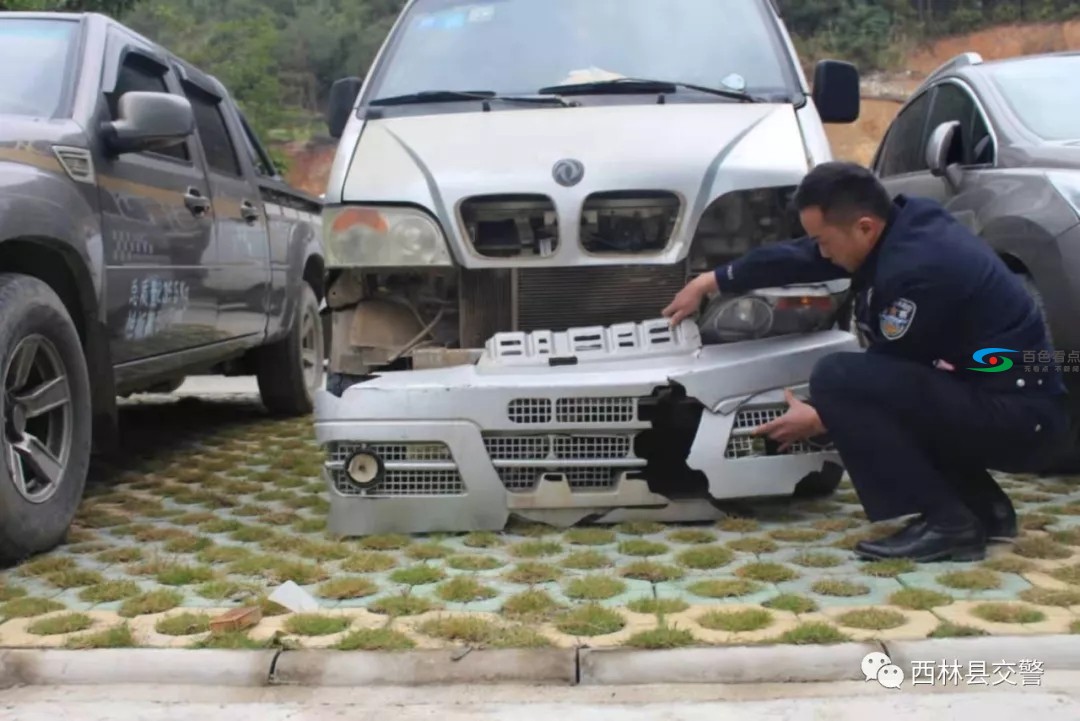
x: 688, y: 300
x: 799, y: 423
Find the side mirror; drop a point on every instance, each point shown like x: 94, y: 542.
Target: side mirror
x: 836, y: 91
x: 149, y: 121
x: 938, y: 150
x: 340, y: 104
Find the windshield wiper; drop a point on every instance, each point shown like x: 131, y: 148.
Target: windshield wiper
x: 644, y: 85
x: 450, y: 96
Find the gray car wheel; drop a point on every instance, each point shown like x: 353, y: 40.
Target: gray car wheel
x: 46, y: 443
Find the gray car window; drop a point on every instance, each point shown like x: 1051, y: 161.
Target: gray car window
x: 1043, y: 93
x: 953, y: 103
x: 904, y: 150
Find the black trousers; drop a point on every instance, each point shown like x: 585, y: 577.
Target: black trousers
x: 916, y: 439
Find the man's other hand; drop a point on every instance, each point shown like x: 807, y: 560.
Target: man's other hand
x: 799, y: 423
x: 688, y: 300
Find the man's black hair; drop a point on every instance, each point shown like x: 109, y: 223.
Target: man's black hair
x: 843, y: 192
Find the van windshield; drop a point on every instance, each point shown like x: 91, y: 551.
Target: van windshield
x: 35, y: 56
x: 514, y: 47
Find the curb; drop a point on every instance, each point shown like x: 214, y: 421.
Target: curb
x: 542, y: 667
x: 43, y: 667
x: 735, y: 664
x: 420, y: 668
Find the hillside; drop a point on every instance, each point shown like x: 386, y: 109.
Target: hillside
x: 309, y: 162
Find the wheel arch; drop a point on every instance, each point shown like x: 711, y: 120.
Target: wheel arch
x: 62, y: 268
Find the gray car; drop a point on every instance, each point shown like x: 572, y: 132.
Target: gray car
x: 998, y: 143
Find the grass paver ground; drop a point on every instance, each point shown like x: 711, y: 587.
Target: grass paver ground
x: 216, y: 505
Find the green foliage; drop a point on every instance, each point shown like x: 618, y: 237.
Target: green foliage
x: 868, y: 32
x: 113, y: 8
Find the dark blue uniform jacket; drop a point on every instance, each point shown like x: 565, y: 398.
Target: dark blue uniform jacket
x: 930, y: 290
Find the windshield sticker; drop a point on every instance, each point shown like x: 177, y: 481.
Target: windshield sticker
x: 456, y: 17
x: 481, y: 13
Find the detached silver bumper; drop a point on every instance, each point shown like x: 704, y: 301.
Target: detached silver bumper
x: 560, y: 427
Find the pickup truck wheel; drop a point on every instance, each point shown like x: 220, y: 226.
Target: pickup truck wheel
x: 46, y: 443
x: 292, y: 370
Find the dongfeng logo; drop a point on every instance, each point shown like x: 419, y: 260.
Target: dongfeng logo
x: 996, y: 364
x: 568, y: 172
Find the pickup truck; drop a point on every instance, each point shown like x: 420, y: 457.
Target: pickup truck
x: 145, y: 236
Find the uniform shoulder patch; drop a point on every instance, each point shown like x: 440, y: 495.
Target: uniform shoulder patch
x: 896, y: 318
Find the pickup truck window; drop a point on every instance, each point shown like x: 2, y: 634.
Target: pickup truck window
x: 36, y: 63
x: 259, y: 157
x: 135, y: 76
x: 217, y: 144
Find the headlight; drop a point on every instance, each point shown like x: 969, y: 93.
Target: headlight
x: 768, y: 312
x: 369, y: 237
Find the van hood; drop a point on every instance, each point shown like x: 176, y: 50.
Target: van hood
x: 696, y: 151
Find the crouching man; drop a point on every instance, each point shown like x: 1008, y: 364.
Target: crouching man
x: 935, y: 401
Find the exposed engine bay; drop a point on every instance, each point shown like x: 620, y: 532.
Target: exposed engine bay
x: 424, y: 317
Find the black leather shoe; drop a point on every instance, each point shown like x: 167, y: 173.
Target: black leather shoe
x: 925, y: 542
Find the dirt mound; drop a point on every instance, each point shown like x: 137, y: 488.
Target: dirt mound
x: 997, y: 43
x: 309, y: 164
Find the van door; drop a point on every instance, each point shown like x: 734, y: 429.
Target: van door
x: 157, y: 224
x: 241, y: 275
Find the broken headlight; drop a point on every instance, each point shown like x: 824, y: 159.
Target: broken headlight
x: 372, y: 237
x: 768, y: 312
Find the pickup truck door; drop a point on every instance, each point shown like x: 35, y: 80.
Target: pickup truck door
x: 241, y: 276
x: 157, y: 225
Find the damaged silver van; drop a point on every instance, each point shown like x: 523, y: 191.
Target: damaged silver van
x: 512, y: 172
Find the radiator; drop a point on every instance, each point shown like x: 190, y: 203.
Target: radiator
x: 560, y: 298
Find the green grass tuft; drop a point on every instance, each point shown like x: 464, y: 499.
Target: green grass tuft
x: 315, y: 624
x: 375, y: 639
x: 109, y: 591
x: 590, y: 620
x: 841, y: 588
x: 587, y: 560
x: 183, y: 624
x: 158, y: 601
x: 692, y: 536
x: 652, y: 572
x: 642, y: 547
x: 705, y: 557
x: 1008, y: 613
x: 401, y: 605
x: 753, y: 544
x: 660, y: 638
x: 464, y: 589
x: 474, y: 563
x: 724, y: 588
x: 751, y: 619
x: 976, y: 579
x: 116, y: 637
x: 594, y: 588
x: 58, y: 625
x: 658, y: 606
x: 919, y: 599
x: 345, y: 587
x: 766, y: 572
x: 533, y: 572
x: 418, y: 575
x: 814, y: 633
x: 873, y: 619
x: 791, y: 602
x: 531, y: 606
x: 590, y: 536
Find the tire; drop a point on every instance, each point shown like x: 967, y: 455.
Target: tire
x: 1068, y: 460
x: 819, y: 484
x: 291, y: 370
x: 39, y: 349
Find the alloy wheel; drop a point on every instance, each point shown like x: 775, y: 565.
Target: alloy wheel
x: 38, y: 419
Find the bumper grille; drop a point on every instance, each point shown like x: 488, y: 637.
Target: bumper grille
x: 743, y: 445
x: 586, y: 462
x: 412, y: 469
x: 589, y: 411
